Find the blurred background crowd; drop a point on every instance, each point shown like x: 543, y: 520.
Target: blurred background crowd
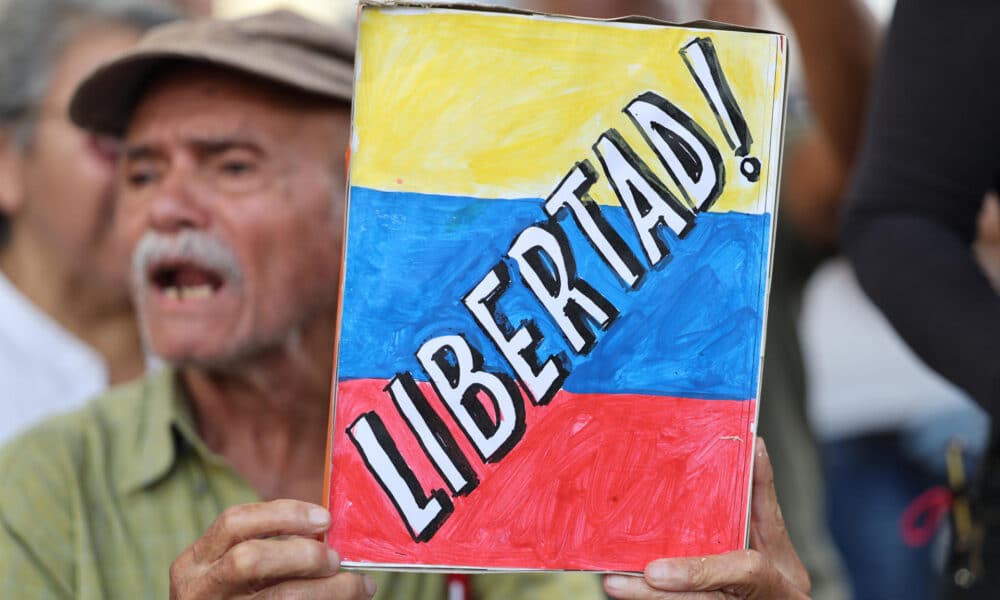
x: 870, y: 446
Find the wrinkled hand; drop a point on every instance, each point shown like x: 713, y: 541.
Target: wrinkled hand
x: 265, y: 550
x: 770, y: 571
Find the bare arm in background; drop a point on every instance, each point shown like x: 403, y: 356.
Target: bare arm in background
x: 838, y: 40
x: 839, y: 44
x: 929, y: 157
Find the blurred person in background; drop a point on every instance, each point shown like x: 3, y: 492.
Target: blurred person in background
x: 887, y: 425
x: 929, y: 159
x: 894, y: 433
x: 197, y: 8
x: 837, y: 41
x: 204, y: 480
x: 67, y: 328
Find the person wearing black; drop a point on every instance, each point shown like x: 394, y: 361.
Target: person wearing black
x: 929, y: 157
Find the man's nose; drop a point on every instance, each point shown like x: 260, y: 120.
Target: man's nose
x: 178, y: 203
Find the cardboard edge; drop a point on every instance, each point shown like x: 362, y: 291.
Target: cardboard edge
x: 342, y: 275
x: 416, y: 568
x: 636, y: 19
x: 331, y: 417
x: 778, y: 149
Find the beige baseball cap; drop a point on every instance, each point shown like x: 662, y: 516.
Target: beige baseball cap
x: 280, y: 46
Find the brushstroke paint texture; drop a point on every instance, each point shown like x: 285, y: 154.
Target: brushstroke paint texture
x: 692, y: 328
x: 601, y: 482
x: 534, y: 96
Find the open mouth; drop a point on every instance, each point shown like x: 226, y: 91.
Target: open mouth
x: 185, y: 281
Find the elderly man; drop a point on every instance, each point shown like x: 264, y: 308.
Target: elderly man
x: 67, y: 327
x: 232, y: 198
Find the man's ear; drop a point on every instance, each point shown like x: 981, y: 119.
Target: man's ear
x: 11, y: 180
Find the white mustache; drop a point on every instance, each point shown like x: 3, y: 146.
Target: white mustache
x: 196, y: 247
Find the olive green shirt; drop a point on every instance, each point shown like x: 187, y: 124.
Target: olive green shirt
x: 96, y: 504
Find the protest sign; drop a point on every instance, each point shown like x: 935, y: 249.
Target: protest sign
x: 554, y: 289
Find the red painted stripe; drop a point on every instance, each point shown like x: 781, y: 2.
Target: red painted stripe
x: 598, y: 482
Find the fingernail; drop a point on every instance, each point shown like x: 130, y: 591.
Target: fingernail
x: 661, y: 571
x: 319, y: 517
x: 369, y: 586
x: 618, y: 582
x: 761, y: 447
x: 333, y: 558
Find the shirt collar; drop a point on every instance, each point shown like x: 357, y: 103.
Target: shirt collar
x: 164, y: 429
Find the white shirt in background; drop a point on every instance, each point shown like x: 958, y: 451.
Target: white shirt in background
x: 861, y: 377
x: 44, y: 369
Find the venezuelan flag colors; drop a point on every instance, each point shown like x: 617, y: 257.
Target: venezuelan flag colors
x: 554, y: 290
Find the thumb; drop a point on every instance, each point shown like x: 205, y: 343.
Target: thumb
x: 768, y: 534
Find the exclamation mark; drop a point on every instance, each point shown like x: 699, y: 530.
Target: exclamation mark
x: 703, y: 62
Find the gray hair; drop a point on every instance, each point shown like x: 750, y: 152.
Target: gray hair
x: 34, y: 33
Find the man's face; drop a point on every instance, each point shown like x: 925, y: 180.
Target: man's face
x: 66, y: 176
x: 232, y: 197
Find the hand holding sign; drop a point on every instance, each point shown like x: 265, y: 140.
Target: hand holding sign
x: 771, y: 570
x: 265, y: 549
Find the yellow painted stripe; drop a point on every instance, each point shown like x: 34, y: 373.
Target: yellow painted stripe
x: 503, y: 106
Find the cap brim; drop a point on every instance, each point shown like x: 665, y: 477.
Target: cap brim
x: 104, y: 101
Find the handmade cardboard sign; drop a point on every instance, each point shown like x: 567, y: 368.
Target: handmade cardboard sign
x: 554, y: 289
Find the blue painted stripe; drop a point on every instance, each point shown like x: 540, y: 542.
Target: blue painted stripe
x: 692, y: 328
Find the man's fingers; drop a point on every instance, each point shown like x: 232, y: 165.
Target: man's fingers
x: 744, y: 574
x: 260, y: 520
x: 768, y: 533
x: 624, y: 587
x: 767, y: 523
x: 252, y: 548
x: 342, y: 586
x: 708, y: 573
x: 255, y: 564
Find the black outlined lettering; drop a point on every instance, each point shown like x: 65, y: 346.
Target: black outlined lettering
x: 548, y: 268
x: 422, y: 515
x: 456, y: 371
x: 519, y: 346
x: 703, y: 61
x: 689, y: 155
x: 432, y: 434
x: 647, y: 200
x: 571, y: 193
